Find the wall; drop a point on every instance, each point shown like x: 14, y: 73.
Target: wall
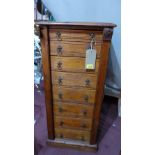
x: 96, y: 11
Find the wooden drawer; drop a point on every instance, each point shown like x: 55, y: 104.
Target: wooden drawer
x: 77, y: 94
x: 75, y: 35
x: 64, y: 48
x: 72, y: 110
x: 72, y: 134
x: 74, y: 123
x: 71, y: 64
x: 74, y: 79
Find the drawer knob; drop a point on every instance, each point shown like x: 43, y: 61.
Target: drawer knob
x: 60, y: 109
x: 86, y: 98
x: 92, y: 35
x: 58, y: 34
x: 82, y: 138
x: 85, y: 112
x: 60, y: 80
x: 61, y: 123
x: 83, y: 125
x: 60, y: 95
x: 59, y: 65
x: 59, y: 50
x: 87, y: 81
x: 61, y: 135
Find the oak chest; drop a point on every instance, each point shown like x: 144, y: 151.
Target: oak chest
x: 74, y: 93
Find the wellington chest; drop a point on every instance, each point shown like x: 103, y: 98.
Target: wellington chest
x: 74, y: 57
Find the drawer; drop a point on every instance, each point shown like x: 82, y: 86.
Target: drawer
x: 74, y: 79
x: 72, y: 134
x: 64, y: 48
x: 71, y: 94
x: 72, y: 110
x: 71, y: 64
x: 74, y: 123
x: 75, y: 35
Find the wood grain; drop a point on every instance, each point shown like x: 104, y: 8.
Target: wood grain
x: 70, y: 48
x: 77, y: 24
x: 72, y: 123
x: 71, y: 64
x: 71, y: 94
x: 72, y: 134
x: 100, y: 90
x: 75, y: 35
x: 72, y: 110
x: 74, y: 79
x: 74, y: 144
x: 47, y: 81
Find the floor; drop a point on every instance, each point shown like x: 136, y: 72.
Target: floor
x: 109, y: 137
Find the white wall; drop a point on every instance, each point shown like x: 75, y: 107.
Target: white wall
x: 94, y: 11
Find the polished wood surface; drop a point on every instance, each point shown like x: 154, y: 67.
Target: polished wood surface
x: 72, y: 134
x: 73, y: 94
x: 99, y: 90
x: 75, y: 35
x: 74, y: 79
x: 71, y: 64
x: 72, y: 123
x: 47, y: 81
x: 76, y: 94
x: 77, y: 24
x: 70, y: 48
x: 74, y: 144
x: 72, y: 110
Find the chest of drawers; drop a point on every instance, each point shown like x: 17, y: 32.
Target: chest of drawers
x: 73, y: 94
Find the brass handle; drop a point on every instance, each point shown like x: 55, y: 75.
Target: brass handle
x: 83, y: 125
x: 87, y: 81
x: 82, y: 138
x: 59, y: 50
x: 86, y: 98
x: 92, y: 35
x: 60, y: 80
x: 60, y: 109
x: 58, y: 34
x: 85, y: 112
x: 61, y: 135
x: 59, y: 65
x: 60, y: 95
x: 61, y: 123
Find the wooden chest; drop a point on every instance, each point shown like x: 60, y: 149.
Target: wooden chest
x: 73, y: 94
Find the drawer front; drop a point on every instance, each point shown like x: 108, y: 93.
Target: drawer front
x: 72, y: 110
x: 74, y: 79
x: 64, y: 48
x: 72, y: 134
x: 71, y: 64
x: 75, y: 35
x: 69, y: 94
x: 74, y: 123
